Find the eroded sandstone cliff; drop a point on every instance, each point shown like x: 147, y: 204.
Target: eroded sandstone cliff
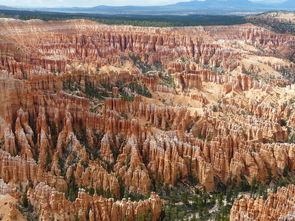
x: 96, y: 119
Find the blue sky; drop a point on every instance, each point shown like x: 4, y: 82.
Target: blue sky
x: 89, y: 3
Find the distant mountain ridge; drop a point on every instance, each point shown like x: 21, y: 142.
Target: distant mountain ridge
x: 194, y: 6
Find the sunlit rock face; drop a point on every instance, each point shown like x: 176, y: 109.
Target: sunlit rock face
x: 56, y: 46
x: 92, y: 115
x: 278, y: 206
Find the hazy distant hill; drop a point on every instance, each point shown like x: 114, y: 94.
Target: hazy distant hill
x: 206, y: 7
x: 3, y: 7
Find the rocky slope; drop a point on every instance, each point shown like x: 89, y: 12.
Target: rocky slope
x: 278, y: 206
x: 280, y: 21
x: 95, y: 120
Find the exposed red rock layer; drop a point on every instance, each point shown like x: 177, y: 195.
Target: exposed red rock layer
x: 278, y: 206
x: 86, y: 207
x: 69, y: 116
x: 61, y: 45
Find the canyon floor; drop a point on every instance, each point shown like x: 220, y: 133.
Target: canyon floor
x: 111, y: 123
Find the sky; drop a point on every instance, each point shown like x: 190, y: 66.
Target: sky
x: 90, y: 3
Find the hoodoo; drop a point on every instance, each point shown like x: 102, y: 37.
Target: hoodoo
x: 110, y: 123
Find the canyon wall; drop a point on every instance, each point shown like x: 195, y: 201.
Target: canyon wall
x: 90, y: 126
